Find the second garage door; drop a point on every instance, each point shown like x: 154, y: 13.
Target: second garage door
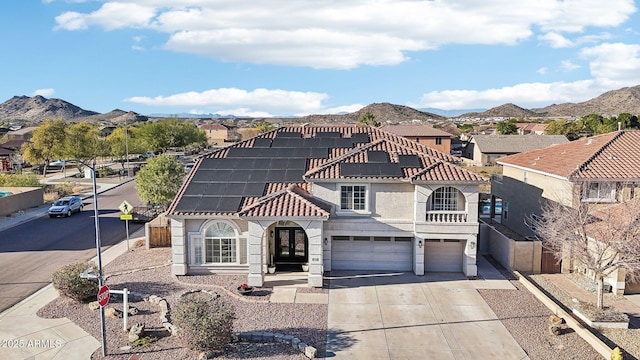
x: 364, y: 253
x: 443, y: 256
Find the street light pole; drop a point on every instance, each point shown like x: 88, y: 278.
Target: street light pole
x: 126, y: 144
x: 99, y: 257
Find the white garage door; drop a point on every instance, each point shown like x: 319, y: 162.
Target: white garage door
x: 364, y: 253
x: 443, y: 256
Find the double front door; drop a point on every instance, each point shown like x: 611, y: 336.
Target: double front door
x: 291, y: 245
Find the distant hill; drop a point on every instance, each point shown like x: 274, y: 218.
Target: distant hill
x: 384, y: 112
x: 615, y: 102
x: 38, y: 108
x: 506, y: 110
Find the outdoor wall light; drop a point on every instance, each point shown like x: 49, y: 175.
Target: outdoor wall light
x: 420, y: 244
x: 326, y: 241
x: 272, y: 234
x: 472, y: 245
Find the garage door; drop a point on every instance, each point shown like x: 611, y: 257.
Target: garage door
x: 443, y: 256
x: 371, y: 253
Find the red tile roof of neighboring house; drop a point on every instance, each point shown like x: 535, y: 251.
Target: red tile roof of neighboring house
x: 416, y: 130
x: 611, y: 156
x: 294, y: 199
x: 213, y: 127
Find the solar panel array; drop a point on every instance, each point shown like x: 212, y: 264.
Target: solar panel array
x: 220, y: 184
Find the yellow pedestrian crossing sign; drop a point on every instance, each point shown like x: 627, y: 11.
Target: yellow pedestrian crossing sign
x: 125, y: 207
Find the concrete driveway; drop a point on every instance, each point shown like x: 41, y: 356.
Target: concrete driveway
x: 404, y: 316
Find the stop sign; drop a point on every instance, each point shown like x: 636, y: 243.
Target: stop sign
x: 103, y: 295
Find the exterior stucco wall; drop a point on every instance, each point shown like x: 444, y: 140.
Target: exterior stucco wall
x: 22, y: 198
x: 523, y: 256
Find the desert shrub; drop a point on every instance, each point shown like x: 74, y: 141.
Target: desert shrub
x: 204, y: 323
x: 18, y: 180
x: 68, y: 282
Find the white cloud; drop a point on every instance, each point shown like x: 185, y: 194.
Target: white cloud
x: 555, y: 40
x: 44, y: 92
x: 614, y: 65
x: 542, y: 70
x: 232, y: 99
x: 528, y: 95
x: 137, y: 48
x: 567, y: 65
x: 346, y: 34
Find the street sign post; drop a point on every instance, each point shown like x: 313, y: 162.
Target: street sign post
x: 103, y: 295
x: 126, y: 209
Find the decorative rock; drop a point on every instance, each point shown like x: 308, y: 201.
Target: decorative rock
x: 301, y: 346
x: 310, y: 352
x: 136, y: 332
x: 245, y: 336
x: 125, y: 348
x: 132, y: 310
x: 267, y: 337
x: 555, y: 329
x: 277, y: 337
x: 94, y: 305
x: 257, y: 336
x: 294, y: 342
x: 154, y: 299
x: 206, y: 355
x: 112, y: 313
x: 287, y: 339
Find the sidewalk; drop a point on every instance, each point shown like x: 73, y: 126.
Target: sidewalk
x: 24, y: 335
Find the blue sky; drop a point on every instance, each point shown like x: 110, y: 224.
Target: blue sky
x: 291, y: 58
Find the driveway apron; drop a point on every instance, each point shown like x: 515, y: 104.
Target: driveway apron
x: 375, y: 315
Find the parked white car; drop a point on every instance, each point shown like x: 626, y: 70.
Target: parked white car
x: 66, y: 206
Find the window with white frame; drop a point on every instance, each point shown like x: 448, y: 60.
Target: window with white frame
x: 220, y: 244
x: 446, y: 198
x: 438, y: 141
x: 353, y: 197
x: 599, y: 192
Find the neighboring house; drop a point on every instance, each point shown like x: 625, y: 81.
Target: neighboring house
x: 335, y: 197
x: 10, y: 156
x: 487, y: 149
x: 21, y: 134
x: 423, y: 134
x: 603, y: 169
x: 218, y: 134
x: 531, y: 128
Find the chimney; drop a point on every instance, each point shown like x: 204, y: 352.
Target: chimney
x: 619, y: 125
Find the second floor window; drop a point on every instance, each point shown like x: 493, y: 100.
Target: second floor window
x: 438, y: 141
x: 446, y: 198
x: 353, y: 197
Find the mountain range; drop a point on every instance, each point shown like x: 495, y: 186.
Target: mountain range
x: 612, y: 103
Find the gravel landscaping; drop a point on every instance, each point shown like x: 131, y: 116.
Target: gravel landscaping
x: 307, y: 322
x: 148, y: 272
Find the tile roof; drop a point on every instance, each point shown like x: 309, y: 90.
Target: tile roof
x: 276, y: 163
x: 289, y: 202
x: 512, y: 144
x: 414, y: 130
x: 611, y: 156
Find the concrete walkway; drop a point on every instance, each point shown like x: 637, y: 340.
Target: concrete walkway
x: 404, y: 316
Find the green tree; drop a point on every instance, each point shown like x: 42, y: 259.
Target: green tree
x: 159, y: 181
x: 627, y: 121
x: 571, y: 129
x: 82, y: 142
x: 118, y: 143
x: 263, y: 126
x: 47, y: 143
x: 170, y: 133
x: 368, y: 119
x: 507, y: 128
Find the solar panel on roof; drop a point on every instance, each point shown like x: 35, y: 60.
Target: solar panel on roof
x: 390, y: 169
x: 275, y: 175
x: 187, y: 204
x: 409, y: 161
x: 239, y: 175
x: 254, y: 189
x: 229, y: 204
x: 278, y: 164
x: 350, y: 169
x: 328, y: 134
x: 257, y: 175
x: 196, y: 188
x: 234, y: 188
x: 261, y: 142
x: 360, y: 138
x: 377, y: 156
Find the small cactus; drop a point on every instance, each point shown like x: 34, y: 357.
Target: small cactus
x: 617, y: 354
x: 556, y: 320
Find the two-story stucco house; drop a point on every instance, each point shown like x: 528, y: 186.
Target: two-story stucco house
x: 333, y: 197
x: 602, y: 169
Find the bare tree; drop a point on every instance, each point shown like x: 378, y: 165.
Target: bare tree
x: 599, y: 237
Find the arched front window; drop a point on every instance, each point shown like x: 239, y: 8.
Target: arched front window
x: 221, y: 245
x: 446, y: 198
